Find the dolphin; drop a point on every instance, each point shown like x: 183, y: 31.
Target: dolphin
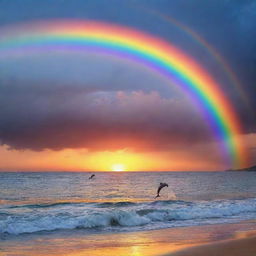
x: 162, y: 185
x: 93, y: 175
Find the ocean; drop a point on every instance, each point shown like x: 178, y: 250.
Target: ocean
x: 112, y: 202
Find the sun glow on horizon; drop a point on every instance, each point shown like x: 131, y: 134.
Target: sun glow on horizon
x: 118, y: 168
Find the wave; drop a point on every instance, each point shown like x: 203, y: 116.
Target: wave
x: 43, y: 205
x: 116, y: 204
x: 57, y: 204
x: 115, y: 216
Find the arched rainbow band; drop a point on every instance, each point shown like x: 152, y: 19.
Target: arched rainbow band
x: 151, y: 51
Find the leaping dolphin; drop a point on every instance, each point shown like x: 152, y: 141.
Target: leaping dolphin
x: 162, y: 185
x: 93, y: 175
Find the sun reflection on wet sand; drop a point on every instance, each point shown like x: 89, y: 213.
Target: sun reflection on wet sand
x: 132, y: 244
x: 150, y: 243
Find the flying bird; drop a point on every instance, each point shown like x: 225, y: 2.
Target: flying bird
x: 162, y: 185
x: 93, y: 175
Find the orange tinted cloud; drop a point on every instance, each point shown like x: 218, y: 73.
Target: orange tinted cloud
x: 197, y: 157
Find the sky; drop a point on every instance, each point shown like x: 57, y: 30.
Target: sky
x: 85, y: 111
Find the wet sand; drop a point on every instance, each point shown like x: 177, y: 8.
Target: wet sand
x: 234, y: 247
x: 144, y: 243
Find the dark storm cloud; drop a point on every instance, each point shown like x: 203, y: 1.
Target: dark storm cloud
x: 98, y: 121
x: 37, y: 111
x: 61, y: 101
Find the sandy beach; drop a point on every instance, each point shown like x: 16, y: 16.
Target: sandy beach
x: 234, y: 247
x: 225, y: 239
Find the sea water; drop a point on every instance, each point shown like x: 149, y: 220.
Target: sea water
x: 122, y: 201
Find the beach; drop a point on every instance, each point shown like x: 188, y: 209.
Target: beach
x: 245, y: 245
x: 175, y: 241
x: 236, y: 247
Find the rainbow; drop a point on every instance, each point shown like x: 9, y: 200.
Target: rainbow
x: 211, y: 51
x: 155, y: 53
x: 199, y: 40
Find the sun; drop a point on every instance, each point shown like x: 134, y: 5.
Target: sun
x: 118, y: 168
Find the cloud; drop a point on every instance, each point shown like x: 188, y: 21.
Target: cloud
x: 100, y: 120
x: 84, y: 101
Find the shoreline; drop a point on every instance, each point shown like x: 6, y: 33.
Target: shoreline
x: 140, y: 243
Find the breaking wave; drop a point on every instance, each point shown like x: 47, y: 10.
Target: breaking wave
x: 109, y: 216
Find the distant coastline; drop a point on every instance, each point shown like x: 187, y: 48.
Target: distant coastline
x: 249, y: 169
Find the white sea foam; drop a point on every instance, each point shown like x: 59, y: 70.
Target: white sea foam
x: 113, y: 216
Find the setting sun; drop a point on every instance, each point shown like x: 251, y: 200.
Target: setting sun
x: 118, y: 168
